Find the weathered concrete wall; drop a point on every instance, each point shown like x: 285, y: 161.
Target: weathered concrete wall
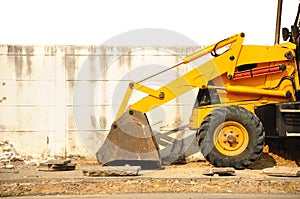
x: 61, y: 100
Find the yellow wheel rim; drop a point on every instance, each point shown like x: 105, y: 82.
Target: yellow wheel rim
x: 231, y: 138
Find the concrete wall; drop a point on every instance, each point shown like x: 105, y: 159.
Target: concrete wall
x: 61, y: 100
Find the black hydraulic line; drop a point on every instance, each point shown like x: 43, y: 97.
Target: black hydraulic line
x: 214, y: 52
x: 286, y: 78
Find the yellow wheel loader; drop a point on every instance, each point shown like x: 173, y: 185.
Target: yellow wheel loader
x: 246, y: 93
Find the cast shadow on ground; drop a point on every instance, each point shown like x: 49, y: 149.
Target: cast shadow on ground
x: 264, y: 161
x: 175, y: 150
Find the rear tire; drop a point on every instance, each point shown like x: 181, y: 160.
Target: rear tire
x: 231, y: 136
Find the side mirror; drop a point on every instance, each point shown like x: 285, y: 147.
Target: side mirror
x: 285, y: 34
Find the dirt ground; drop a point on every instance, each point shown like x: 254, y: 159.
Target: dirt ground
x: 28, y: 180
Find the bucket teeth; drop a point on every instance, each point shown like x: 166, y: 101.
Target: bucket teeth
x: 130, y: 141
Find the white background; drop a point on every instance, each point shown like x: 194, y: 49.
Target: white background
x: 91, y: 22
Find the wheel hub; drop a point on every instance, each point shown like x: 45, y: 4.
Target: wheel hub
x: 231, y: 138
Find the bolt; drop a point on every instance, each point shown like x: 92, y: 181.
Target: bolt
x: 282, y: 67
x: 161, y: 95
x: 288, y: 55
x: 115, y: 126
x: 231, y: 139
x: 288, y: 94
x: 131, y: 84
x: 231, y: 57
x: 237, y: 135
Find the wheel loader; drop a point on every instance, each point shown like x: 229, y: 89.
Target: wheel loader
x: 245, y: 94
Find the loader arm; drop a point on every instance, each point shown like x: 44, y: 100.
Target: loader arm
x: 236, y: 55
x: 197, y: 77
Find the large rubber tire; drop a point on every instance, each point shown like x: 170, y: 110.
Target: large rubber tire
x: 231, y: 136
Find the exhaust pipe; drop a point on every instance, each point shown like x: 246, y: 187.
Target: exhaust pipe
x: 278, y: 22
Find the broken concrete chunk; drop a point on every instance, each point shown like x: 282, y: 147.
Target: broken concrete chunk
x: 9, y: 166
x: 96, y: 171
x: 57, y: 165
x: 33, y: 162
x: 219, y: 171
x: 58, y: 162
x: 282, y: 171
x: 7, y: 151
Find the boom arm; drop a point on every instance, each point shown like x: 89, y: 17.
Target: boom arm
x: 199, y: 77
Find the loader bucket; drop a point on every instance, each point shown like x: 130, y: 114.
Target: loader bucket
x: 130, y: 142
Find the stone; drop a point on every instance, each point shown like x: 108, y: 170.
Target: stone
x: 219, y: 171
x: 9, y: 166
x: 58, y: 162
x: 282, y: 171
x: 57, y: 165
x: 96, y: 171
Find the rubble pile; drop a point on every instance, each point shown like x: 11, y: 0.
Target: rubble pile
x: 8, y: 154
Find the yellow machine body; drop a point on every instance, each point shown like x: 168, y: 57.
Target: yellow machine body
x: 243, y: 75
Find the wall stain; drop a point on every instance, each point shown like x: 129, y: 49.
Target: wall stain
x: 29, y: 52
x: 103, y: 63
x: 178, y: 120
x: 14, y: 49
x: 103, y: 59
x: 92, y: 67
x: 16, y: 53
x: 93, y: 122
x: 102, y: 122
x: 71, y: 61
x: 50, y: 50
x: 122, y: 56
x: 18, y: 59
